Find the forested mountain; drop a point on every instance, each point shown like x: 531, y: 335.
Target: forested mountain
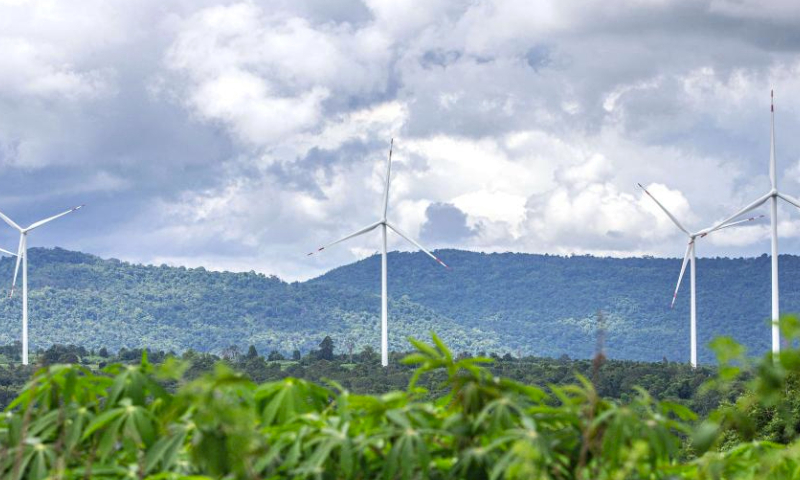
x: 532, y: 304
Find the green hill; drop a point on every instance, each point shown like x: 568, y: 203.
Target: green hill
x: 535, y: 304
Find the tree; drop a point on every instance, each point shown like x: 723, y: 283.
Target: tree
x: 252, y: 352
x: 103, y: 352
x: 275, y: 356
x: 326, y: 348
x: 368, y: 354
x: 231, y: 353
x: 296, y: 355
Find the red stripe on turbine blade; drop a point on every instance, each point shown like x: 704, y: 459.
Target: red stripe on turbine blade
x: 443, y: 264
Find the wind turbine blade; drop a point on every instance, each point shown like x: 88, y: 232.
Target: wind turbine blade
x: 683, y: 270
x: 3, y: 250
x: 388, y: 180
x: 789, y: 199
x: 741, y: 212
x: 739, y: 222
x: 16, y: 269
x: 10, y: 222
x: 772, y: 162
x: 671, y: 217
x: 348, y: 237
x: 50, y: 219
x: 415, y: 243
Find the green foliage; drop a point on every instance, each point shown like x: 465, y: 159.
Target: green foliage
x: 326, y: 349
x: 121, y: 422
x: 545, y: 305
x: 362, y: 373
x: 520, y: 304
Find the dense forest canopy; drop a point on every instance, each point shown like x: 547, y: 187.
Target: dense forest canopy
x: 521, y: 304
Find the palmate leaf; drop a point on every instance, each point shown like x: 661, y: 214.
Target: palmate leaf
x: 79, y: 418
x: 281, y: 401
x: 134, y: 382
x: 498, y: 415
x: 36, y: 460
x: 128, y: 425
x: 329, y: 449
x: 110, y: 437
x: 524, y: 452
x: 164, y: 452
x: 411, y: 434
x: 408, y: 456
x: 102, y: 420
x: 44, y: 425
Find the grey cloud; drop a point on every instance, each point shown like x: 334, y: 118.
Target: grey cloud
x: 538, y: 57
x: 439, y: 58
x: 162, y: 172
x: 326, y: 11
x: 445, y: 224
x: 300, y: 174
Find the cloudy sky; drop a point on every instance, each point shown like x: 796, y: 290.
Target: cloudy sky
x: 241, y: 135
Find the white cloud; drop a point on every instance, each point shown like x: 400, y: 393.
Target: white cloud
x: 672, y: 200
x: 41, y: 71
x: 244, y: 103
x: 265, y: 76
x: 493, y: 205
x: 243, y: 133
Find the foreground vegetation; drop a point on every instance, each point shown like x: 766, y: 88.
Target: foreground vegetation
x: 148, y: 421
x: 360, y: 372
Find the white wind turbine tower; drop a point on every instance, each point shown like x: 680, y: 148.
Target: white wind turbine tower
x: 690, y: 257
x: 384, y: 224
x: 773, y: 195
x: 22, y: 255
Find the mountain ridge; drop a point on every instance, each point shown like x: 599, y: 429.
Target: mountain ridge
x: 492, y: 302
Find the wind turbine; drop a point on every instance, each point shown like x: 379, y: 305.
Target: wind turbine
x: 773, y: 195
x: 384, y: 224
x: 22, y: 256
x: 690, y: 257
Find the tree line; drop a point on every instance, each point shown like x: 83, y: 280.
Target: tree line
x: 360, y: 370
